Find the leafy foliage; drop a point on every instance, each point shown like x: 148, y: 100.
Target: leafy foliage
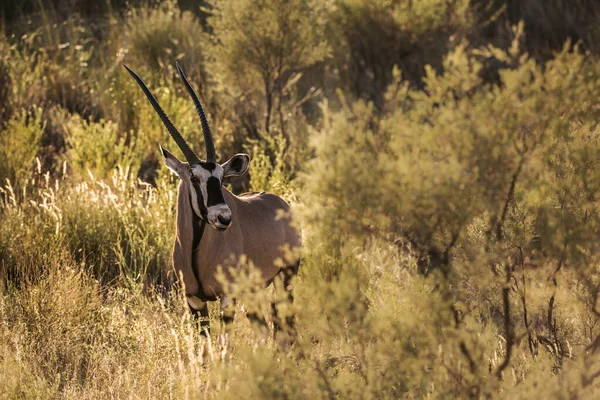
x: 494, y: 181
x: 372, y: 37
x: 158, y: 36
x: 96, y: 146
x: 262, y: 48
x: 19, y: 144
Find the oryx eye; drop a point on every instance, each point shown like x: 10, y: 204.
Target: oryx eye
x: 194, y: 180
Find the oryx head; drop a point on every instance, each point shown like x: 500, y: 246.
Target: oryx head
x: 204, y: 178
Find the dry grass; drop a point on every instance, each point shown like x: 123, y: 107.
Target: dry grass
x: 450, y: 226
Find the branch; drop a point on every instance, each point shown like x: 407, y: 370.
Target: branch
x: 552, y: 328
x: 588, y: 380
x: 508, y: 329
x: 509, y: 198
x: 530, y: 340
x: 592, y: 347
x: 467, y: 354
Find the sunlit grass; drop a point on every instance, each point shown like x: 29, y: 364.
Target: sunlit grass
x: 449, y: 213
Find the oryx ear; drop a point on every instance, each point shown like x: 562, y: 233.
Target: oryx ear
x: 236, y: 165
x: 172, y: 162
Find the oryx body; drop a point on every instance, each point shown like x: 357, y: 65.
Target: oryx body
x: 256, y: 226
x: 259, y: 230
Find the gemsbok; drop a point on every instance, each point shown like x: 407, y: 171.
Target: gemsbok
x: 255, y: 225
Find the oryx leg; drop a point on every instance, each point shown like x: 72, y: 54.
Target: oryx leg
x: 227, y: 309
x: 286, y: 275
x: 199, y: 310
x: 256, y: 318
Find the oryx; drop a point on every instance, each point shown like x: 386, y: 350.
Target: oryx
x: 255, y: 225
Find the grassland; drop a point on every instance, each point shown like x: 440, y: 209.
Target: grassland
x: 442, y: 159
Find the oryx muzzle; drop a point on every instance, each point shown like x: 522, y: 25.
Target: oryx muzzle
x: 255, y: 225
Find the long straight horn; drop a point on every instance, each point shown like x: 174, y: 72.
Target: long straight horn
x: 211, y: 155
x: 187, y: 151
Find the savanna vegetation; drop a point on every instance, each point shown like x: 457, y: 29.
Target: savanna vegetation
x: 442, y: 157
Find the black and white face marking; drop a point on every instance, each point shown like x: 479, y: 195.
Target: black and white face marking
x: 205, y: 179
x: 207, y: 197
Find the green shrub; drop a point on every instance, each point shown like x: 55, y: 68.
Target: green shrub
x: 5, y: 80
x: 117, y: 231
x: 97, y: 147
x: 371, y: 37
x: 19, y: 144
x: 267, y: 175
x: 159, y: 36
x: 493, y: 182
x: 257, y: 57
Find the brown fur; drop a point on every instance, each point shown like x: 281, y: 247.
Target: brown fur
x: 257, y: 231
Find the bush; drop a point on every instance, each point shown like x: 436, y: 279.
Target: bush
x: 96, y: 147
x: 547, y: 25
x: 120, y: 235
x: 370, y: 38
x: 159, y: 36
x: 19, y: 145
x: 258, y: 55
x: 267, y: 175
x: 66, y: 336
x: 497, y: 182
x: 5, y: 80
